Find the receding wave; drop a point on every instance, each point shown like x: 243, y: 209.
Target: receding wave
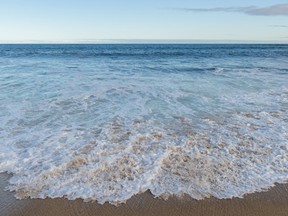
x: 107, y: 130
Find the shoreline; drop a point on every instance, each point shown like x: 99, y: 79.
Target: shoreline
x: 271, y: 202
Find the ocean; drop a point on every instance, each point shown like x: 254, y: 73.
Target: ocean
x: 105, y: 122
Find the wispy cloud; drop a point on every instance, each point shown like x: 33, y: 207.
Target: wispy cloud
x: 273, y: 10
x: 279, y: 26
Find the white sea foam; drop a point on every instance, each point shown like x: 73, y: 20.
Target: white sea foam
x: 224, y: 159
x: 106, y: 136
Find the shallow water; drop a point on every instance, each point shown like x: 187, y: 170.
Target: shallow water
x: 105, y: 122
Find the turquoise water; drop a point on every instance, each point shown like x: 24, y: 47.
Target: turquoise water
x: 105, y: 122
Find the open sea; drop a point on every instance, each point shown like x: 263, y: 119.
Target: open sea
x: 106, y: 122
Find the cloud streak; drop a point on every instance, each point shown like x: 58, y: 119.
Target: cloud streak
x: 273, y: 10
x: 279, y: 26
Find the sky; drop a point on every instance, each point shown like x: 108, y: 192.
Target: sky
x: 96, y: 21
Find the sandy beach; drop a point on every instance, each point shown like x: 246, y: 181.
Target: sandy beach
x: 131, y: 108
x: 273, y: 202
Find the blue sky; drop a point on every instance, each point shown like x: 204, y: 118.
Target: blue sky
x: 92, y: 20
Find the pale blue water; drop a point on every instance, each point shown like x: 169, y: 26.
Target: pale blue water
x: 104, y: 122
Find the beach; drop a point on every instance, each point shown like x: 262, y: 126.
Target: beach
x: 144, y: 108
x: 272, y: 202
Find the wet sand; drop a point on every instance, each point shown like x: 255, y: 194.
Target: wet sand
x: 273, y: 202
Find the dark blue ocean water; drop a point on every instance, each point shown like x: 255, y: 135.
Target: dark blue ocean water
x: 104, y: 122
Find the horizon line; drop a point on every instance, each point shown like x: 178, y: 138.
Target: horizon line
x: 142, y: 41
